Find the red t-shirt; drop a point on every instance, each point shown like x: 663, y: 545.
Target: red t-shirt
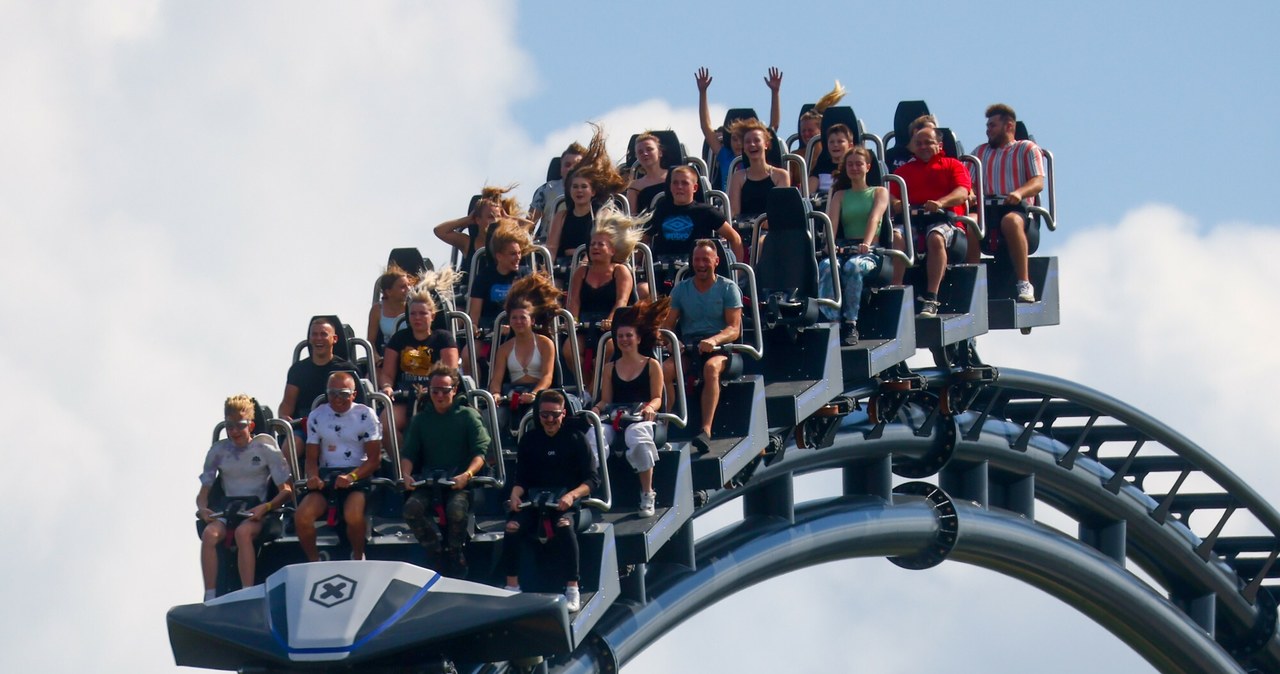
x: 932, y: 180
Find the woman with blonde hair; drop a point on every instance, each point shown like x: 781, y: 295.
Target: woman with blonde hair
x: 394, y: 285
x: 411, y: 353
x: 598, y: 289
x: 474, y: 230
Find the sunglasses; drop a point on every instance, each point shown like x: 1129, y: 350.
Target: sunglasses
x: 239, y: 425
x: 342, y: 392
x: 551, y: 415
x: 440, y: 390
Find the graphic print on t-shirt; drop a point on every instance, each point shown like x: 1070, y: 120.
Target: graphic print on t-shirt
x: 498, y: 292
x: 677, y: 228
x: 416, y: 361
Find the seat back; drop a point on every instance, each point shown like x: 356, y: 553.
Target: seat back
x: 553, y: 169
x: 906, y: 113
x: 672, y: 150
x: 950, y: 144
x: 786, y: 261
x: 836, y: 114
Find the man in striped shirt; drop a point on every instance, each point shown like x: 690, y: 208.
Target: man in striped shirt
x: 1013, y: 174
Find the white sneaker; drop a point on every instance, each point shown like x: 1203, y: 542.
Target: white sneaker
x: 648, y: 501
x: 210, y: 595
x: 929, y: 308
x: 511, y: 588
x: 572, y: 599
x: 1026, y: 292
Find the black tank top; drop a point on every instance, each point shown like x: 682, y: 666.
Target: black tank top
x: 754, y: 197
x: 634, y: 391
x: 644, y: 199
x: 576, y: 231
x: 596, y: 303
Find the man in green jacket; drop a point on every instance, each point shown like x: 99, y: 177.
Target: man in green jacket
x: 449, y: 437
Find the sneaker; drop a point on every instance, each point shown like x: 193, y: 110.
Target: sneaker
x: 511, y: 588
x: 702, y: 442
x: 572, y: 600
x: 210, y: 595
x: 849, y: 333
x: 929, y: 308
x: 648, y: 501
x: 1026, y: 292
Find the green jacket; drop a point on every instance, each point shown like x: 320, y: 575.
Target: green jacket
x: 445, y: 441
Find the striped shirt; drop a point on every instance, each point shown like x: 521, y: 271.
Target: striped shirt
x: 1006, y: 168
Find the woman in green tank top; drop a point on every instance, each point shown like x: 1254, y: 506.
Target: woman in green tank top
x: 858, y: 210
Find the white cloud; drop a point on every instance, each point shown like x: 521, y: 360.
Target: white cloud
x: 182, y: 188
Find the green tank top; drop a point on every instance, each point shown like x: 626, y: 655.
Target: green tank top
x: 855, y: 207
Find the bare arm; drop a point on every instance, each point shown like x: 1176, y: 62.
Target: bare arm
x: 781, y: 177
x: 655, y: 385
x: 833, y: 210
x: 288, y: 403
x: 500, y: 367
x: 474, y: 308
x: 451, y: 233
x: 374, y: 314
x: 735, y: 192
x: 878, y: 205
x: 774, y: 81
x: 703, y: 77
x: 372, y: 459
x: 606, y: 388
x: 548, y: 350
x: 1029, y: 189
x: 625, y: 283
x: 730, y: 234
x: 390, y: 368
x: 449, y: 356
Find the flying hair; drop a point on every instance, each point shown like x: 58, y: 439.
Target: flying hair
x: 439, y: 281
x: 623, y: 230
x: 537, y: 293
x: 423, y: 296
x: 921, y: 122
x: 498, y: 195
x: 828, y: 99
x: 597, y: 168
x: 645, y: 317
x: 508, y: 232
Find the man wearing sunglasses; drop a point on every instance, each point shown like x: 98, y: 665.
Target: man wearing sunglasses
x: 245, y: 464
x: 550, y: 458
x: 344, y: 446
x: 443, y: 436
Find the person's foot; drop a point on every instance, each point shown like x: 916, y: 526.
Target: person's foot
x: 1026, y: 291
x: 572, y: 599
x: 702, y: 442
x: 210, y: 594
x: 648, y: 503
x: 511, y: 588
x: 929, y: 308
x: 848, y: 333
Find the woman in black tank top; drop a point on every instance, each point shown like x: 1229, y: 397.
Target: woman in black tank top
x: 634, y: 379
x: 571, y: 227
x: 749, y: 190
x: 642, y: 190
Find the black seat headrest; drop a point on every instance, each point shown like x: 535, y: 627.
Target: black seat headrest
x: 672, y: 153
x: 786, y: 209
x: 342, y: 349
x: 409, y: 259
x: 553, y: 169
x: 906, y: 113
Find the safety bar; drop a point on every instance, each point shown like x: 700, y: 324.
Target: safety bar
x: 875, y: 140
x: 808, y: 149
x: 620, y: 203
x: 723, y: 198
x: 681, y: 401
x: 285, y: 429
x: 390, y: 433
x: 549, y: 263
x: 572, y: 328
x: 793, y: 138
x: 909, y: 240
x: 804, y: 171
x: 578, y: 254
x: 1053, y: 189
x: 756, y: 350
x: 1042, y: 213
x: 830, y: 231
x: 605, y: 503
x: 754, y: 248
x: 980, y: 189
x: 889, y: 136
x: 646, y: 255
x: 491, y: 407
x: 493, y: 345
x: 351, y: 341
x: 696, y: 162
x: 469, y: 330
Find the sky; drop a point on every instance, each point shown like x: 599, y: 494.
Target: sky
x: 183, y: 184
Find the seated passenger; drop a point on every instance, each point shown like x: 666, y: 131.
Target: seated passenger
x: 306, y: 379
x: 857, y: 209
x: 708, y: 309
x: 344, y: 448
x: 939, y: 186
x: 605, y: 284
x: 510, y: 242
x: 592, y: 184
x: 475, y: 230
x: 544, y: 197
x: 679, y: 221
x: 450, y: 437
x: 246, y: 464
x: 749, y: 190
x: 811, y: 125
x: 386, y: 313
x: 1012, y: 174
x: 838, y: 140
x: 550, y: 458
x: 635, y: 379
x: 726, y: 152
x: 651, y: 178
x: 525, y: 364
x: 411, y: 354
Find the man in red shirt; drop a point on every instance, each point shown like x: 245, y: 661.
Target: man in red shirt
x: 937, y: 187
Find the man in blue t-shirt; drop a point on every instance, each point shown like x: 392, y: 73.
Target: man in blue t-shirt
x: 708, y: 309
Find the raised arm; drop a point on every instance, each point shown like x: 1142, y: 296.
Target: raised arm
x: 774, y: 81
x: 703, y: 77
x: 625, y: 283
x: 452, y: 232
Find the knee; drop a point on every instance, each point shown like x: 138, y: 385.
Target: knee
x: 456, y: 512
x: 936, y: 243
x: 245, y: 536
x: 414, y: 509
x: 1012, y: 225
x: 513, y: 527
x: 212, y: 534
x: 564, y: 522
x: 710, y: 371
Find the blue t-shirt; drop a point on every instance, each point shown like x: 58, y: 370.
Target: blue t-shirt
x: 702, y: 314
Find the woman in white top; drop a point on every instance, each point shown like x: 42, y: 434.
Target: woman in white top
x: 525, y: 364
x: 394, y: 284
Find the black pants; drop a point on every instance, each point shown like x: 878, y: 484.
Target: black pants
x: 562, y: 545
x: 420, y: 515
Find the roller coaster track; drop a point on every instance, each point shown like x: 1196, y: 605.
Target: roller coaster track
x: 1131, y: 484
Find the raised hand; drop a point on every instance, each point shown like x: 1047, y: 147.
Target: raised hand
x: 703, y: 76
x: 773, y: 80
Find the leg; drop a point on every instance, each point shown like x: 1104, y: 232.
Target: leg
x: 304, y: 523
x: 1013, y: 227
x: 937, y: 262
x: 974, y: 254
x: 711, y: 389
x: 642, y: 453
x: 851, y: 278
x: 668, y: 380
x: 457, y: 513
x: 420, y: 516
x: 566, y: 544
x: 246, y: 554
x: 826, y: 288
x: 899, y: 269
x: 512, y: 540
x: 213, y: 534
x: 353, y: 515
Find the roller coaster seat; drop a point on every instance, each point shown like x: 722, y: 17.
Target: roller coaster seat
x: 787, y: 268
x: 726, y: 143
x: 410, y: 260
x: 836, y: 114
x: 906, y: 113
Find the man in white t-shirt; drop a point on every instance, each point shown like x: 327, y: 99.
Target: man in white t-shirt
x: 344, y: 446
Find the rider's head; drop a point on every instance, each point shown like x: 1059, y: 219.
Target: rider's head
x: 341, y: 391
x: 238, y: 414
x: 443, y: 386
x: 551, y: 411
x: 322, y: 337
x: 705, y: 259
